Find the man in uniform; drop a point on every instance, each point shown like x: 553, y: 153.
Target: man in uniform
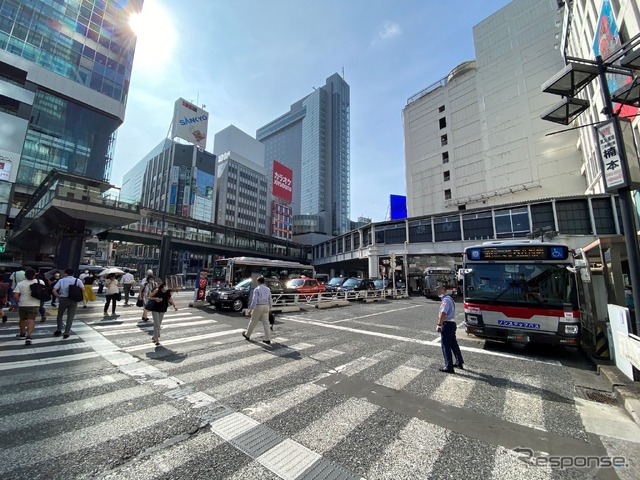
x: 447, y: 328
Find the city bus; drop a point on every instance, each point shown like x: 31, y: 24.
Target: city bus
x: 435, y: 277
x: 521, y: 291
x: 230, y: 271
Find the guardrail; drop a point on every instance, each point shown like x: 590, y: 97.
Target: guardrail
x: 300, y: 299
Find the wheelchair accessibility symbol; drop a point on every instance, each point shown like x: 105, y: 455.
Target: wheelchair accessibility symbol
x: 557, y: 252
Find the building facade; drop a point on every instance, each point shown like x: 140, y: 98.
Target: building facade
x: 313, y: 140
x: 241, y: 196
x: 180, y: 180
x: 580, y: 38
x: 65, y: 68
x: 475, y: 138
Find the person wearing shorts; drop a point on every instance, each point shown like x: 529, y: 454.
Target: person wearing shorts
x: 28, y: 306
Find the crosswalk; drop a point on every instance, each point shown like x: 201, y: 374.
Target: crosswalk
x: 108, y: 403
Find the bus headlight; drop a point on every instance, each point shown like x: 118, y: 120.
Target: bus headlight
x: 472, y: 320
x: 571, y: 329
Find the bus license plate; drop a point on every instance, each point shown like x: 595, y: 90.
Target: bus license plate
x: 509, y: 323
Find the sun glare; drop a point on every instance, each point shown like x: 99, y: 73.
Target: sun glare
x: 155, y: 35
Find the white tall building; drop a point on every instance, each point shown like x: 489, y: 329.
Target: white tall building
x: 241, y: 195
x: 475, y: 138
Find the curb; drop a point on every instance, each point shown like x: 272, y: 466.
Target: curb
x: 626, y: 390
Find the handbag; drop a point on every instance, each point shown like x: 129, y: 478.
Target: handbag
x: 117, y: 296
x: 150, y: 305
x: 139, y: 303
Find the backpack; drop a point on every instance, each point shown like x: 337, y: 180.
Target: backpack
x: 75, y: 292
x: 40, y: 291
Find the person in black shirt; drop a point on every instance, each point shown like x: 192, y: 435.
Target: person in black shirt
x: 88, y: 295
x: 162, y: 297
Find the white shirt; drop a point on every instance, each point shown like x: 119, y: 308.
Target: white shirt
x: 26, y: 300
x: 112, y: 286
x: 127, y: 278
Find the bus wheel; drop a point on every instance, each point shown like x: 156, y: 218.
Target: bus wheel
x: 237, y: 305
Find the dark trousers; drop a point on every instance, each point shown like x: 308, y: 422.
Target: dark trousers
x: 127, y: 292
x: 450, y: 344
x: 70, y: 307
x: 110, y: 298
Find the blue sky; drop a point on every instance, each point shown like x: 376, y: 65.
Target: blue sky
x: 249, y: 60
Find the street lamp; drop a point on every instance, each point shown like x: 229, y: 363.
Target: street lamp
x: 575, y: 76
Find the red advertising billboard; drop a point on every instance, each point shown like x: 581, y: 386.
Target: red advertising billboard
x: 282, y: 183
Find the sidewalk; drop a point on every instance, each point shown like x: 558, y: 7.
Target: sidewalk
x: 627, y: 391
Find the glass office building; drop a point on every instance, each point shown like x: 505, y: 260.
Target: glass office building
x: 65, y: 67
x: 312, y: 139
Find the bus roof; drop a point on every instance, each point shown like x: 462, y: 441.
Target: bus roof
x: 261, y: 261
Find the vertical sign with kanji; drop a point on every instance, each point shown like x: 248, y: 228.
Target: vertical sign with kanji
x: 613, y: 170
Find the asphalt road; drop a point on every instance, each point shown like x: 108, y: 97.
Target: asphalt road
x: 350, y: 392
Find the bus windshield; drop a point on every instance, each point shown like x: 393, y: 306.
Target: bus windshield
x: 534, y: 285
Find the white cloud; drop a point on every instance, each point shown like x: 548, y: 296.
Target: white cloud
x: 389, y: 30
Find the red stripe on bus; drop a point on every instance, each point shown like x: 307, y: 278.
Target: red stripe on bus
x: 521, y: 312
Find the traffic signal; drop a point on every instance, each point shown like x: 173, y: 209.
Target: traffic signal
x: 3, y: 246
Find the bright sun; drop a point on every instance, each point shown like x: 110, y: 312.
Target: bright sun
x: 155, y: 36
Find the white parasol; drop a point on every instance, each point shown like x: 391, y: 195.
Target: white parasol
x: 108, y: 271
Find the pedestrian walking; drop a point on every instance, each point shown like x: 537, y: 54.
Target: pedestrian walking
x: 68, y: 302
x: 162, y: 298
x: 88, y: 294
x: 261, y: 305
x: 127, y: 284
x: 27, y: 305
x: 147, y: 286
x: 447, y: 328
x: 54, y: 279
x: 42, y: 310
x: 16, y: 277
x: 112, y: 293
x: 100, y: 285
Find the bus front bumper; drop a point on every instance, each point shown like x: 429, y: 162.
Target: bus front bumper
x: 523, y: 336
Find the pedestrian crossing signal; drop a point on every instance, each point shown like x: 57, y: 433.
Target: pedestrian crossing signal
x: 3, y: 246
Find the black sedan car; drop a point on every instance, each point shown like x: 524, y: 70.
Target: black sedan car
x: 335, y: 283
x: 237, y: 298
x: 357, y: 284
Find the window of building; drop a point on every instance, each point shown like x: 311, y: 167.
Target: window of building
x: 478, y: 226
x: 391, y: 234
x: 603, y: 216
x: 542, y: 216
x: 443, y: 140
x: 447, y: 194
x: 447, y: 229
x: 443, y: 123
x: 573, y: 217
x: 445, y: 157
x: 513, y: 222
x: 446, y: 176
x: 441, y: 109
x: 420, y: 231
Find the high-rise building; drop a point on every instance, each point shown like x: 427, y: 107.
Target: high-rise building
x: 64, y: 76
x: 312, y: 140
x: 241, y: 197
x: 241, y: 193
x: 475, y: 138
x: 179, y: 179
